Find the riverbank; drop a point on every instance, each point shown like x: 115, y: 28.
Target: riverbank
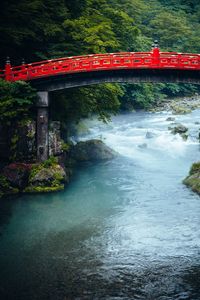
x: 181, y: 105
x: 53, y: 174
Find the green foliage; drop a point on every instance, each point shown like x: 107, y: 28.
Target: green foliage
x: 76, y: 27
x: 65, y: 146
x: 6, y: 188
x: 52, y: 161
x: 16, y: 101
x: 172, y: 29
x: 142, y: 96
x: 75, y: 104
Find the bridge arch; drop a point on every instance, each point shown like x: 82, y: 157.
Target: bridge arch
x: 67, y: 81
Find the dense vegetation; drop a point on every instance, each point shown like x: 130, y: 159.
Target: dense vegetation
x: 42, y: 29
x: 17, y: 101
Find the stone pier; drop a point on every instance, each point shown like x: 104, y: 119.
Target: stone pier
x: 43, y: 126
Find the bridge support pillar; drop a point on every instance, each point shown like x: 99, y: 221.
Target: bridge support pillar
x: 43, y: 126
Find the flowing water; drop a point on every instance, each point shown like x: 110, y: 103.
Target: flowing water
x: 123, y: 229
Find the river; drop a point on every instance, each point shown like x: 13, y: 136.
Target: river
x: 123, y: 229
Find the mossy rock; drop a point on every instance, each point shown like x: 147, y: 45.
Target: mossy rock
x: 44, y: 189
x: 46, y: 177
x: 195, y: 168
x: 193, y: 180
x: 170, y: 119
x: 179, y: 128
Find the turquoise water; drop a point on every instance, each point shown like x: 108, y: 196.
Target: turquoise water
x: 123, y: 229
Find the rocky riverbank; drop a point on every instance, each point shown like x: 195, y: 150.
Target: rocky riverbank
x: 53, y: 174
x: 183, y: 106
x: 178, y: 105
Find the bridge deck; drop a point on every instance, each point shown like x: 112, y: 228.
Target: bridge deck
x: 99, y: 62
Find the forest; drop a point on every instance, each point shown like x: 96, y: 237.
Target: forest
x: 43, y: 29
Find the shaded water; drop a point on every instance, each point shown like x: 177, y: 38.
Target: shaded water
x: 124, y: 229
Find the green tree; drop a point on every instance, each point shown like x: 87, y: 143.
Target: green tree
x: 16, y: 101
x: 71, y: 106
x: 171, y: 29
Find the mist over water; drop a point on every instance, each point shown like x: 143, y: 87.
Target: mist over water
x: 123, y: 229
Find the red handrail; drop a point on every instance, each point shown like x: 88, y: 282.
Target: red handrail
x: 98, y: 62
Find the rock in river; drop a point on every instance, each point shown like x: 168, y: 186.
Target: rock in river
x: 171, y: 119
x: 150, y: 135
x: 193, y: 179
x: 92, y: 150
x: 179, y: 128
x: 46, y: 178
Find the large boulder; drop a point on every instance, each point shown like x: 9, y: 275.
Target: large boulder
x: 92, y: 150
x: 47, y: 177
x: 179, y: 128
x: 193, y: 179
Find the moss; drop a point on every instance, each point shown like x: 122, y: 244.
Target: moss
x: 57, y: 177
x: 195, y: 168
x: 52, y: 161
x: 64, y: 146
x: 4, y: 184
x: 6, y: 188
x: 48, y: 176
x: 35, y: 169
x: 44, y: 189
x: 193, y: 180
x: 193, y: 183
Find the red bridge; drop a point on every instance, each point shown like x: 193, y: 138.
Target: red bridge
x: 184, y: 63
x: 62, y: 73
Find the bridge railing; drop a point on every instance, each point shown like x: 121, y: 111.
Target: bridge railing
x: 98, y: 62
